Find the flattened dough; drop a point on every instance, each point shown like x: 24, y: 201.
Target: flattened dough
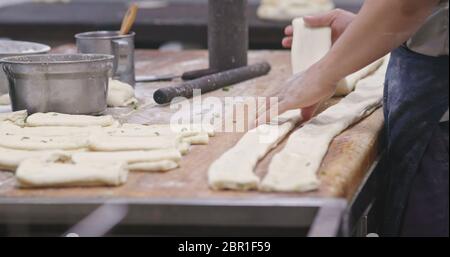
x: 129, y: 156
x: 11, y: 158
x: 104, y: 143
x: 66, y: 120
x: 11, y: 128
x: 132, y: 130
x: 347, y: 85
x: 234, y: 169
x: 58, y: 170
x: 200, y: 139
x: 182, y: 129
x: 5, y: 100
x: 163, y: 165
x: 286, y: 10
x: 295, y: 168
x: 17, y: 118
x: 135, y: 130
x: 157, y: 160
x: 309, y: 45
x: 185, y: 128
x: 42, y: 143
x: 120, y: 94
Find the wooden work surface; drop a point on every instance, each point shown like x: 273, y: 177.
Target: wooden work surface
x: 348, y: 159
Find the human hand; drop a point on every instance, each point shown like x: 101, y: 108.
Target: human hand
x: 337, y: 19
x: 306, y: 91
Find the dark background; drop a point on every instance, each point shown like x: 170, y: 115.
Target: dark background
x: 183, y: 23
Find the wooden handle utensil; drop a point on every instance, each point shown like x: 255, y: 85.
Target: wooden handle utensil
x: 129, y: 19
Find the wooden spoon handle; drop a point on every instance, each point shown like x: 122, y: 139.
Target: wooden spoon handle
x: 129, y: 19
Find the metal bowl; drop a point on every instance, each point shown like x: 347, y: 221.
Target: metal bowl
x: 10, y: 48
x: 65, y: 83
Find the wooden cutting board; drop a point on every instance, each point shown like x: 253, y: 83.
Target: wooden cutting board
x: 348, y: 159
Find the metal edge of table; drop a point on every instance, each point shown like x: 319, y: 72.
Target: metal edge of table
x: 363, y: 198
x: 322, y: 216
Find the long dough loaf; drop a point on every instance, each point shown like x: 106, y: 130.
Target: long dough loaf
x: 20, y: 142
x: 348, y: 84
x: 157, y: 160
x: 12, y: 129
x: 312, y: 44
x: 17, y: 118
x: 140, y: 147
x: 295, y: 167
x: 11, y: 158
x: 163, y: 165
x: 66, y: 120
x: 184, y: 130
x: 189, y: 136
x: 58, y: 170
x: 235, y: 168
x: 194, y: 137
x: 99, y: 142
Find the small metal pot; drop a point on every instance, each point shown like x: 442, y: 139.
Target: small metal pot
x: 111, y: 42
x: 10, y: 48
x: 64, y: 83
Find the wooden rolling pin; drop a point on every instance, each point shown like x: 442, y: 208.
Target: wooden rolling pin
x: 212, y: 82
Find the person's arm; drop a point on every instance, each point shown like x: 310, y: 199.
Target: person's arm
x: 379, y: 27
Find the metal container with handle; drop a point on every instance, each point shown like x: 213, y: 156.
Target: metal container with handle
x: 112, y: 43
x: 67, y: 83
x: 9, y: 48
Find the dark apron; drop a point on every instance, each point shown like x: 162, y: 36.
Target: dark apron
x: 415, y: 99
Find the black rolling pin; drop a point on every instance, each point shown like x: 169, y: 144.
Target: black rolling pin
x: 191, y: 75
x: 211, y: 82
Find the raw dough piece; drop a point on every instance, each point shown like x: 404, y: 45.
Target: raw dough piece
x: 129, y: 156
x: 184, y: 147
x: 120, y: 94
x: 234, y: 169
x: 66, y: 120
x: 286, y: 10
x: 146, y: 131
x: 17, y: 118
x: 42, y: 143
x: 11, y: 158
x: 309, y: 45
x: 295, y: 167
x: 184, y: 130
x: 157, y: 160
x: 347, y: 85
x: 104, y: 143
x: 59, y: 170
x: 164, y: 165
x: 190, y: 137
x: 200, y: 139
x: 5, y: 100
x: 12, y: 129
